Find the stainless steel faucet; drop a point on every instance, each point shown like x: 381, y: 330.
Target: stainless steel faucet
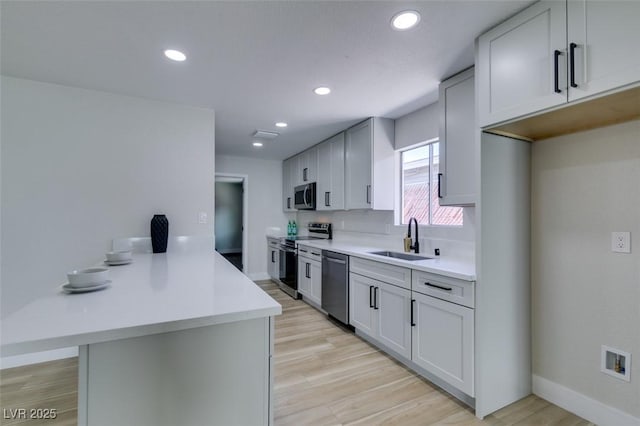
x: 413, y: 246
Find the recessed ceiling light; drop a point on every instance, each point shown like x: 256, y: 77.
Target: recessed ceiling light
x: 405, y: 20
x: 321, y: 90
x: 175, y: 55
x: 281, y: 124
x: 257, y: 144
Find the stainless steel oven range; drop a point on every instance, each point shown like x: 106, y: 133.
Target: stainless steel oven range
x: 288, y: 275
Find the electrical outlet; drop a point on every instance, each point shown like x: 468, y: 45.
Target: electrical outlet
x: 202, y: 217
x: 621, y: 242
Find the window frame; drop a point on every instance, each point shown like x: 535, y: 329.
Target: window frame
x: 399, y: 208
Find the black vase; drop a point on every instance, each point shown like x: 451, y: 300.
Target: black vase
x: 159, y: 233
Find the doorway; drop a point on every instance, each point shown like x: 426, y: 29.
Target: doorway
x: 230, y: 218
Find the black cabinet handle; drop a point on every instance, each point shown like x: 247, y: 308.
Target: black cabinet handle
x: 439, y: 182
x: 413, y: 301
x: 327, y: 200
x: 302, y: 250
x: 375, y: 297
x: 556, y: 83
x: 368, y: 194
x: 370, y: 296
x: 289, y: 202
x: 304, y: 174
x: 273, y: 260
x: 307, y: 273
x: 438, y: 287
x: 572, y: 63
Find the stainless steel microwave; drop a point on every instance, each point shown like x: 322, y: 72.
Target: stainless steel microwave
x: 305, y: 196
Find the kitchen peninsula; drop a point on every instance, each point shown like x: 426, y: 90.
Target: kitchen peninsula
x: 177, y: 338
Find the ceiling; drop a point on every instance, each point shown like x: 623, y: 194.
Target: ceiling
x: 254, y: 63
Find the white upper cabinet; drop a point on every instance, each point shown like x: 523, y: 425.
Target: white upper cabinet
x: 556, y: 52
x: 358, y: 159
x: 369, y: 165
x: 517, y: 63
x: 330, y: 187
x: 457, y: 140
x: 289, y: 167
x: 307, y: 168
x: 604, y: 37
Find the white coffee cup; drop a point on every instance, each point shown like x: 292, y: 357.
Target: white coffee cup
x: 88, y: 277
x: 118, y: 256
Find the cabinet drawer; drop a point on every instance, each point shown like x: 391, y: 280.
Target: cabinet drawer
x: 273, y: 242
x: 310, y: 252
x: 391, y: 274
x: 445, y: 288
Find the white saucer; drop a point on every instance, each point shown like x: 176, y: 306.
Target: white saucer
x: 68, y: 288
x: 118, y: 262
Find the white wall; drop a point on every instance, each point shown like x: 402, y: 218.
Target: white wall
x: 80, y: 167
x: 418, y: 126
x: 264, y: 205
x: 584, y: 186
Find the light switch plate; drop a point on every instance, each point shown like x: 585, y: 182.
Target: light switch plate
x: 621, y: 242
x: 202, y: 217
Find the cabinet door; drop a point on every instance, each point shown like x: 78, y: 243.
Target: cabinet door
x: 361, y: 312
x: 288, y: 180
x: 304, y: 280
x: 394, y: 318
x: 442, y: 341
x: 309, y: 165
x: 517, y: 64
x: 315, y: 271
x: 358, y: 159
x: 273, y: 262
x: 331, y: 174
x: 457, y: 140
x: 606, y: 35
x: 298, y: 164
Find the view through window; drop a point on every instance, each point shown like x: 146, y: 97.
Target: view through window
x: 420, y: 168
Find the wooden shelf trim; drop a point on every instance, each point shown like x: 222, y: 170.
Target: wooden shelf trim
x: 607, y: 110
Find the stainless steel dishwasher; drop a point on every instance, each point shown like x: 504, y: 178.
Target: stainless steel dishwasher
x: 335, y: 285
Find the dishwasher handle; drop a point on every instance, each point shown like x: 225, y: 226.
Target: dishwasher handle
x: 331, y: 259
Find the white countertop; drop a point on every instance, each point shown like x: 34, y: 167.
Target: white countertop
x: 156, y: 293
x: 451, y: 267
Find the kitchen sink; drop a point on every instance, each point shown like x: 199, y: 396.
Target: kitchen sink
x: 399, y: 255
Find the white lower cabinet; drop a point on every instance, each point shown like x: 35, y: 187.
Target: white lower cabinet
x: 433, y: 333
x: 361, y: 303
x: 273, y: 259
x: 442, y: 340
x: 304, y: 283
x: 393, y: 328
x: 381, y: 311
x: 310, y: 274
x: 315, y: 274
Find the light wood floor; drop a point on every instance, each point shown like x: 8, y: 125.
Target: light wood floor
x: 324, y: 375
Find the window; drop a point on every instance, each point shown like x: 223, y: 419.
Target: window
x: 420, y: 168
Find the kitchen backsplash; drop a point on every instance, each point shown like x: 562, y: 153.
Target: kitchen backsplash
x: 377, y: 228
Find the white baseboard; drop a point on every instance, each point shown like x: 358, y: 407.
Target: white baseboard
x: 259, y: 276
x: 581, y: 405
x: 37, y: 357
